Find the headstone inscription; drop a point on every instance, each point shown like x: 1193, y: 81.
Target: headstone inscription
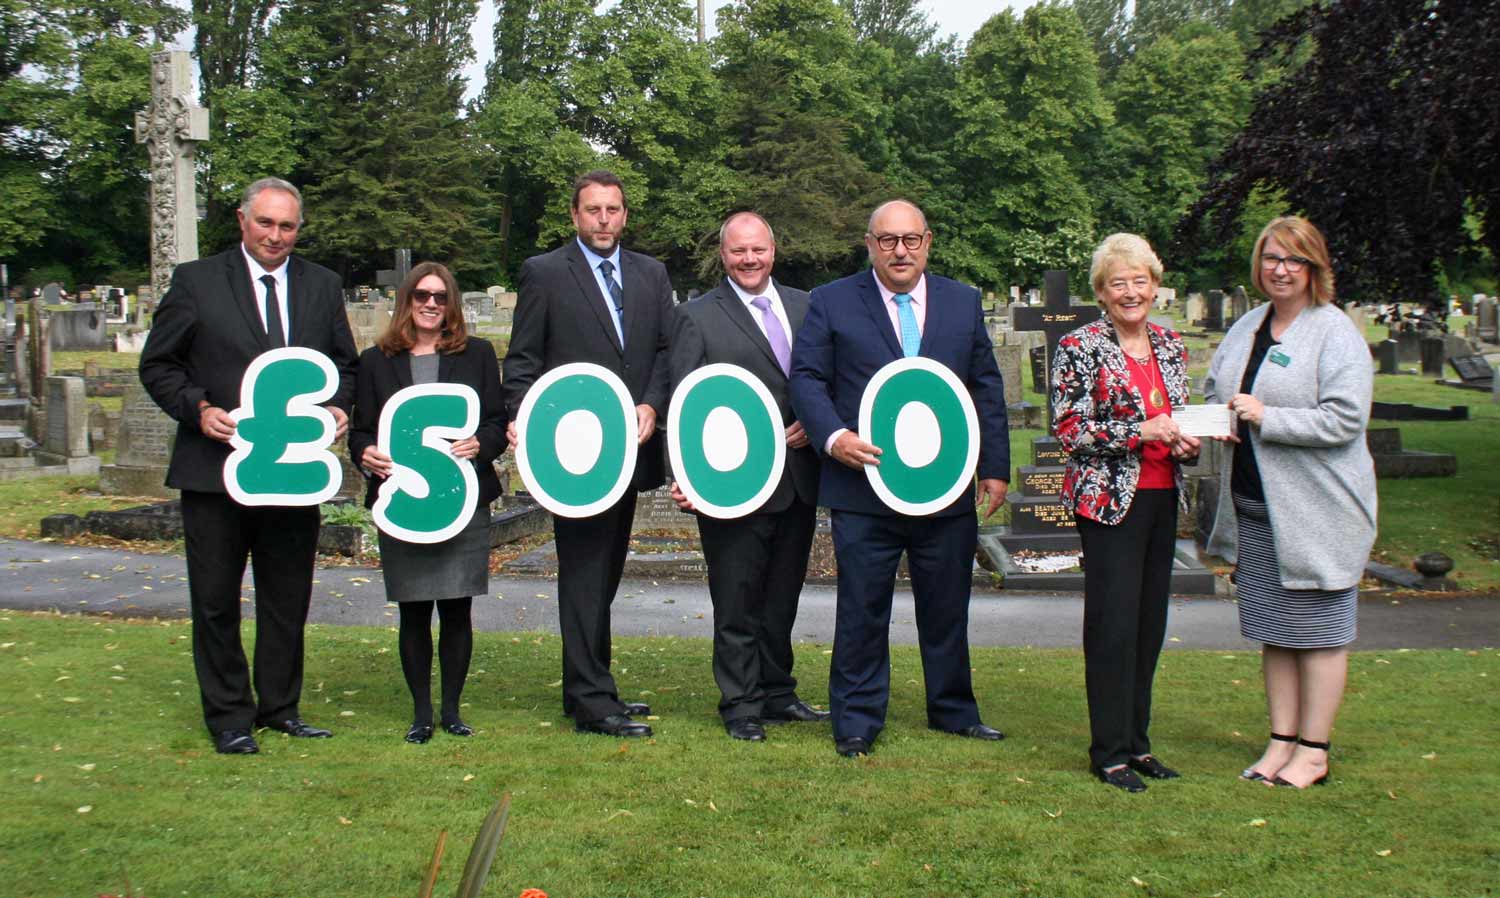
x: 1056, y: 317
x: 1472, y: 370
x: 171, y: 128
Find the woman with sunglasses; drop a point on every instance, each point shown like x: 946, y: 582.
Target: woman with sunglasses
x: 1297, y: 502
x: 426, y: 343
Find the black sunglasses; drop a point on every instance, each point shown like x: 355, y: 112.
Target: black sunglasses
x: 420, y: 297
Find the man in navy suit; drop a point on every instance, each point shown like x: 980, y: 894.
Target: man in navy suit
x: 855, y: 327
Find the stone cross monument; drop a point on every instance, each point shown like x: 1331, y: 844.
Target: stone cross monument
x: 171, y: 127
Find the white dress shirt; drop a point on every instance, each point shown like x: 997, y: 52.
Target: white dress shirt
x: 776, y: 308
x: 257, y: 271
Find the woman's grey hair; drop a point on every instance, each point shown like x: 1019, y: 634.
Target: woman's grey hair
x: 1123, y: 250
x: 263, y: 184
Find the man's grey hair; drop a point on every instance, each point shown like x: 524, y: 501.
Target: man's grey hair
x: 724, y: 228
x: 255, y: 189
x: 870, y: 227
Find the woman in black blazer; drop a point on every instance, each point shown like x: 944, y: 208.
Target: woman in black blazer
x: 426, y: 343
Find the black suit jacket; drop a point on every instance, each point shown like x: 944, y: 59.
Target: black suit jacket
x: 560, y: 318
x: 208, y: 330
x: 716, y: 327
x: 381, y: 376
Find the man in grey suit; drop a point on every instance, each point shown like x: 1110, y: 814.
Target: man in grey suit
x: 756, y: 563
x: 589, y: 300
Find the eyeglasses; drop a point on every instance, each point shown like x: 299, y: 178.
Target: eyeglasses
x: 420, y: 297
x: 887, y: 242
x: 1294, y: 264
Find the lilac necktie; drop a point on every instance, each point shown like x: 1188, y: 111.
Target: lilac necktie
x: 775, y: 333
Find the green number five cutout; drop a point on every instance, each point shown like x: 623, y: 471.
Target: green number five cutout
x: 282, y: 432
x: 726, y: 441
x: 921, y: 416
x: 576, y: 450
x: 430, y: 494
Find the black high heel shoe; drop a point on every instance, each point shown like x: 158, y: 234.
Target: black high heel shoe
x: 419, y: 733
x: 1250, y: 774
x: 1320, y: 781
x: 457, y: 727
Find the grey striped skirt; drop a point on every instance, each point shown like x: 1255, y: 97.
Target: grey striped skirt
x: 1273, y: 614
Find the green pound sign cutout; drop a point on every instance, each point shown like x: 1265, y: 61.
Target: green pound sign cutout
x: 430, y: 494
x: 726, y: 440
x: 282, y: 432
x: 576, y: 444
x: 921, y: 416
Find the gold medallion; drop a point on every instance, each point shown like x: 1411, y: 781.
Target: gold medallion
x: 1156, y: 398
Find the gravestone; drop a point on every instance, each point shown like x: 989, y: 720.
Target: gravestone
x: 171, y: 128
x: 1473, y: 371
x: 52, y: 294
x: 1008, y: 358
x: 1455, y: 345
x: 1408, y: 345
x: 655, y: 510
x: 66, y: 441
x: 1358, y: 317
x: 1040, y: 376
x: 78, y: 329
x: 1239, y: 304
x: 1487, y: 323
x: 1166, y: 297
x: 1394, y: 462
x: 1434, y: 350
x: 144, y: 446
x: 1213, y: 318
x: 1054, y: 318
x: 1386, y: 355
x: 1195, y: 309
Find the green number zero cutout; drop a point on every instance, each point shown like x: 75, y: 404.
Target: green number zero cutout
x: 921, y: 416
x: 577, y: 449
x: 726, y: 441
x: 430, y: 494
x: 280, y: 444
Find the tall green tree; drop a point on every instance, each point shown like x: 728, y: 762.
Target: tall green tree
x: 795, y: 106
x: 1030, y: 114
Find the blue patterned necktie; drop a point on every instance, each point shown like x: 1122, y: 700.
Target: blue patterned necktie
x: 616, y: 298
x: 911, y: 338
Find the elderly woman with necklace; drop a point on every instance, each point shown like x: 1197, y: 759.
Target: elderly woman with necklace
x: 1115, y: 383
x: 1297, y: 505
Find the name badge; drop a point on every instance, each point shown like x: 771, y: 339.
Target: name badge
x: 1279, y: 358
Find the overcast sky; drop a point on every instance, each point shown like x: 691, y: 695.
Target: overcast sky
x: 960, y: 17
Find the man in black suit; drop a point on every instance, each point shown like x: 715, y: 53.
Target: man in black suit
x: 218, y: 315
x: 591, y: 301
x: 756, y: 563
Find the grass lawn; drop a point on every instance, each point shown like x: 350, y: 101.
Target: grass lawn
x: 108, y: 773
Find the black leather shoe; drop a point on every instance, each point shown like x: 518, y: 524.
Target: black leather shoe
x: 614, y: 725
x: 797, y: 712
x: 853, y: 747
x: 977, y: 731
x: 1122, y: 778
x: 235, y: 742
x: 419, y: 733
x: 457, y: 728
x: 294, y: 727
x: 1153, y: 768
x: 637, y: 709
x: 746, y: 728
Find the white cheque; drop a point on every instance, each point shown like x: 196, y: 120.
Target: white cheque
x: 1204, y: 420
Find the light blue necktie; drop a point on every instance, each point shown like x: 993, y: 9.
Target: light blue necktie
x: 911, y: 338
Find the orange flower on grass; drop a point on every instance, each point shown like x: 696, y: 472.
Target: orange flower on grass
x: 533, y: 893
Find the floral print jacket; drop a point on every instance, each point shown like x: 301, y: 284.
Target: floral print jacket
x: 1097, y: 415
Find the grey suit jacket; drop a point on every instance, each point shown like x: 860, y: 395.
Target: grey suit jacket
x: 716, y: 327
x: 561, y: 318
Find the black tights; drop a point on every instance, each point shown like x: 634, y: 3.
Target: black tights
x: 455, y: 646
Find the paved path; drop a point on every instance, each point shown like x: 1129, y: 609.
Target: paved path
x: 76, y: 579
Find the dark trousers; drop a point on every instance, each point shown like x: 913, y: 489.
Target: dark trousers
x: 940, y: 559
x: 590, y: 559
x: 282, y: 544
x: 1127, y: 576
x: 756, y: 567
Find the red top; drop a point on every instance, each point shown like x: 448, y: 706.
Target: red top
x: 1156, y: 456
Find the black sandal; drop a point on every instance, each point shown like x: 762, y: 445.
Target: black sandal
x: 1251, y: 775
x: 1320, y: 781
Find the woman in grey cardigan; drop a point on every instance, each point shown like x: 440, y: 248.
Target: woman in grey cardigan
x: 1297, y: 504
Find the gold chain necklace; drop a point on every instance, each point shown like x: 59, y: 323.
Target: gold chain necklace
x: 1157, y: 399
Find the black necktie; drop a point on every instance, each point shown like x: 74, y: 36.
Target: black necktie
x: 616, y: 295
x: 274, y: 330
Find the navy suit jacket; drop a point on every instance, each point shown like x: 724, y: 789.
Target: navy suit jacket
x: 848, y: 336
